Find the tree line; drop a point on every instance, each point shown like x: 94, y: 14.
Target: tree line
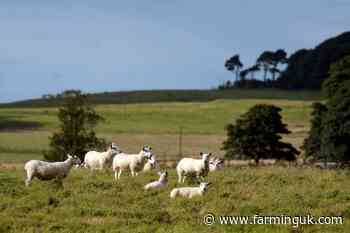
x: 304, y: 69
x: 257, y: 133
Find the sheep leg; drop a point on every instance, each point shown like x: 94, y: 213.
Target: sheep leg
x: 29, y: 178
x: 120, y: 172
x: 180, y: 176
x: 116, y: 175
x: 199, y: 178
x: 183, y: 179
x: 27, y: 181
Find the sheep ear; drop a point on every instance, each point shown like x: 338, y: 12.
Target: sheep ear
x: 209, y: 183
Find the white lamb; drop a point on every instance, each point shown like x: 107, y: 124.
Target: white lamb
x: 215, y: 164
x: 189, y: 166
x: 134, y: 162
x: 100, y: 160
x: 163, y: 180
x: 190, y: 192
x: 151, y: 165
x: 49, y: 170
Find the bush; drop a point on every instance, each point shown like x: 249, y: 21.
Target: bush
x: 256, y: 135
x: 76, y: 135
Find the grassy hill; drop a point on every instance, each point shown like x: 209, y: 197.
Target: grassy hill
x: 156, y: 96
x: 24, y: 131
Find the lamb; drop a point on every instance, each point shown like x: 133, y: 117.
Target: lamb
x: 163, y: 180
x: 151, y: 164
x: 134, y: 162
x: 190, y: 192
x: 188, y: 166
x: 100, y: 160
x: 49, y: 170
x: 215, y: 164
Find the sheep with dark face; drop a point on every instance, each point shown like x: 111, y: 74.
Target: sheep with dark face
x: 215, y: 164
x: 132, y: 162
x: 49, y: 170
x: 190, y: 166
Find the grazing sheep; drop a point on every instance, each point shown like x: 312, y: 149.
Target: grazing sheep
x: 215, y: 164
x: 134, y: 162
x: 49, y: 170
x: 188, y: 166
x: 190, y: 192
x: 163, y: 180
x: 100, y: 160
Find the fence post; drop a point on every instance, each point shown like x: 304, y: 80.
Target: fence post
x: 180, y: 142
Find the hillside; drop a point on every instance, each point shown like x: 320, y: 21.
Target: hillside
x: 307, y: 68
x: 156, y: 96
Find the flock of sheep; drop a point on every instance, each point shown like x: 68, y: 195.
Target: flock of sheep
x: 144, y: 160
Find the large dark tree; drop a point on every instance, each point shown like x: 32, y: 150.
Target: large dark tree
x: 308, y: 68
x: 76, y: 134
x: 257, y: 135
x: 312, y: 144
x: 234, y: 65
x: 332, y: 123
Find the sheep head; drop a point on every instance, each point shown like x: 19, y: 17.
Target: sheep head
x: 114, y: 148
x: 75, y: 159
x: 204, y: 186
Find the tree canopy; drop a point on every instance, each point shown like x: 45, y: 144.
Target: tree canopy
x: 329, y: 136
x: 308, y: 68
x: 76, y: 134
x: 257, y: 135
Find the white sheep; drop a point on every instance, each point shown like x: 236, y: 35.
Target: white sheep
x: 190, y: 192
x: 49, y: 170
x: 163, y: 180
x: 134, y: 162
x: 215, y: 164
x: 151, y: 165
x: 100, y: 160
x: 189, y: 166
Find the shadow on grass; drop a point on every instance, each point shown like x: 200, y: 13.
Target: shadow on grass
x: 8, y: 125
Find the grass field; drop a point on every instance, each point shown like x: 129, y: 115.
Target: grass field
x: 94, y: 203
x: 157, y: 124
x: 88, y: 203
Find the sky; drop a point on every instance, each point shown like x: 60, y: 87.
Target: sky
x: 111, y: 45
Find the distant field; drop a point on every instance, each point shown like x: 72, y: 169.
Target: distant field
x: 156, y: 96
x: 158, y: 124
x: 88, y: 203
